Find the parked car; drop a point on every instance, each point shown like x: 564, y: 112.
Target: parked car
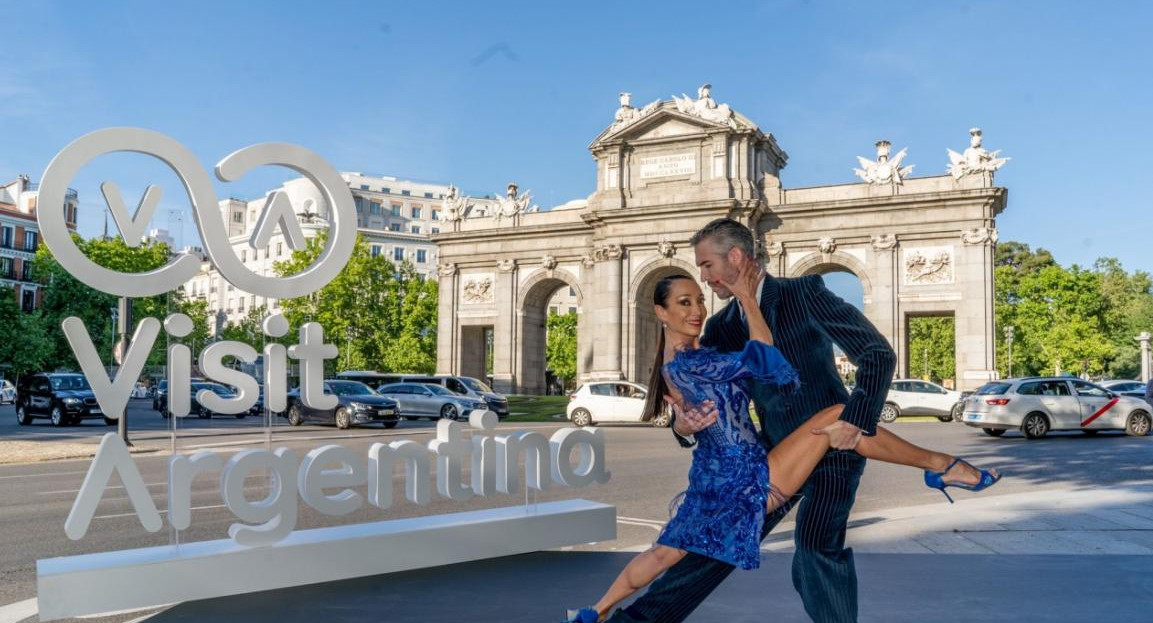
x: 357, y: 404
x: 610, y: 401
x: 7, y: 392
x: 1037, y: 405
x: 463, y: 385
x: 197, y: 409
x: 1128, y: 388
x: 160, y: 395
x: 417, y: 400
x: 915, y: 397
x: 64, y: 398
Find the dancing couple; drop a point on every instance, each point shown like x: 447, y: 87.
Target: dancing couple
x: 771, y: 344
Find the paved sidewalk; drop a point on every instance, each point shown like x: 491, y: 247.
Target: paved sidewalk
x: 1044, y: 557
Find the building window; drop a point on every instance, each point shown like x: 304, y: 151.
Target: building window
x: 364, y: 186
x: 385, y: 190
x: 279, y: 249
x: 6, y: 270
x: 395, y: 209
x: 571, y: 291
x: 414, y: 229
x: 28, y: 300
x: 435, y: 214
x: 572, y: 310
x: 244, y: 255
x: 240, y: 305
x: 416, y: 212
x: 394, y: 227
x: 421, y: 256
x: 398, y: 254
x: 7, y: 234
x: 30, y: 239
x: 374, y: 207
x: 406, y: 193
x: 238, y: 217
x: 428, y: 195
x: 435, y: 230
x: 27, y: 271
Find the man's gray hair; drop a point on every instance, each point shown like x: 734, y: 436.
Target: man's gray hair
x: 726, y: 234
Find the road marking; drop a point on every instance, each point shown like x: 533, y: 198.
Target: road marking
x: 161, y: 511
x: 43, y: 475
x: 1098, y: 414
x: 14, y: 613
x: 150, y: 484
x: 644, y: 523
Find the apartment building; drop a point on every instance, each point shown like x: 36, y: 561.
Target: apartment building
x: 397, y: 218
x: 20, y: 235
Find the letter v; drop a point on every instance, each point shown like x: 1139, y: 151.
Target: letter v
x: 112, y: 396
x: 277, y: 210
x: 131, y: 226
x: 112, y: 456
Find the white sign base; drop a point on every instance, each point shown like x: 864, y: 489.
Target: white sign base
x: 106, y: 582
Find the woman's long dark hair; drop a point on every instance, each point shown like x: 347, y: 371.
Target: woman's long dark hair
x: 655, y: 400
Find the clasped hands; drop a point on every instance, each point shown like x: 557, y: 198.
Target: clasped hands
x: 692, y: 420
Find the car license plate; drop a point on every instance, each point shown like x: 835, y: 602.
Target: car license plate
x: 95, y: 411
x: 386, y: 412
x: 972, y: 417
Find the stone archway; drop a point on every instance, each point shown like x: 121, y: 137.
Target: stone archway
x: 644, y: 328
x: 532, y: 313
x: 922, y: 246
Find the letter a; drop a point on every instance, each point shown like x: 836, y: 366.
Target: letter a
x: 112, y: 456
x: 277, y: 210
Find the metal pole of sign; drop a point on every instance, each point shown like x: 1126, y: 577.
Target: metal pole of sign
x: 124, y: 320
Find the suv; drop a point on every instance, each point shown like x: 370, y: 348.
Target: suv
x: 7, y: 392
x: 1037, y: 405
x: 64, y: 398
x: 915, y: 397
x: 160, y: 394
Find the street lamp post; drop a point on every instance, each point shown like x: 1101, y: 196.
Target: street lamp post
x: 1009, y: 342
x: 347, y: 339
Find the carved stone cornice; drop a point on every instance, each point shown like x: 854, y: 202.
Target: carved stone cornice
x: 506, y: 266
x: 827, y: 245
x: 548, y: 262
x: 446, y: 270
x: 666, y: 248
x: 588, y: 261
x: 883, y: 242
x: 774, y: 248
x: 979, y: 235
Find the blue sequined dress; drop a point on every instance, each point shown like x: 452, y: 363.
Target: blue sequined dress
x: 722, y: 512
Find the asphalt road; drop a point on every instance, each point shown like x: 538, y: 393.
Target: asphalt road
x: 647, y: 467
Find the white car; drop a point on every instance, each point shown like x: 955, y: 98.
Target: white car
x: 610, y: 401
x: 1037, y: 405
x: 7, y: 392
x: 914, y: 397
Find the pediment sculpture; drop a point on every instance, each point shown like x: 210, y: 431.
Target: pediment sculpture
x: 975, y: 159
x: 883, y: 171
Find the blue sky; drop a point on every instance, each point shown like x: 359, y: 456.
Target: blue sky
x: 481, y: 94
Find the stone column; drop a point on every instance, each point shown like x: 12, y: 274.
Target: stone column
x: 975, y: 317
x: 606, y: 315
x: 586, y: 340
x: 448, y: 331
x: 1145, y: 362
x: 883, y: 309
x: 508, y: 320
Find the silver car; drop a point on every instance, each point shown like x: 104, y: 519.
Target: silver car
x: 417, y: 400
x: 1037, y: 405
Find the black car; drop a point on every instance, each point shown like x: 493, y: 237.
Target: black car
x: 196, y: 408
x: 160, y: 394
x: 64, y: 398
x: 358, y: 404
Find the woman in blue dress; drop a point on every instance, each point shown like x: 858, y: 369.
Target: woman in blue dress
x: 734, y: 482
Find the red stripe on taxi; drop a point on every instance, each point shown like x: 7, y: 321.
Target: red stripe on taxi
x: 1102, y: 410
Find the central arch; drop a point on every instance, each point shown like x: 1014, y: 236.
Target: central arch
x: 532, y: 315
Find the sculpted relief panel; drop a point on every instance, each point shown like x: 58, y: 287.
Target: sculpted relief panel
x: 928, y: 266
x: 477, y: 289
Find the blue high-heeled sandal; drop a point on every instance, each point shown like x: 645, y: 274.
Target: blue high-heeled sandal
x: 584, y: 615
x: 936, y: 480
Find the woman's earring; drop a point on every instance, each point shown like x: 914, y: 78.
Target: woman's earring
x: 664, y: 325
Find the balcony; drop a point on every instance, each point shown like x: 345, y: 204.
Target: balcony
x: 35, y: 187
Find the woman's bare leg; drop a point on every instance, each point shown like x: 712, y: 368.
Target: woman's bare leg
x: 640, y: 571
x: 793, y: 460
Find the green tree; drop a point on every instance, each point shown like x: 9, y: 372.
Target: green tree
x: 382, y: 317
x: 1060, y: 315
x: 23, y: 346
x: 561, y: 346
x: 932, y: 345
x: 66, y: 296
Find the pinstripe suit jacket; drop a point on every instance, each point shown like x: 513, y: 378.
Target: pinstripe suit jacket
x: 806, y: 318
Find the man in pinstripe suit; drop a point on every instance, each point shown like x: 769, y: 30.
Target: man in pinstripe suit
x: 806, y: 319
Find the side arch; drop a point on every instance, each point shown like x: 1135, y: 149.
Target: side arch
x: 642, y: 326
x: 822, y: 263
x: 532, y: 315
